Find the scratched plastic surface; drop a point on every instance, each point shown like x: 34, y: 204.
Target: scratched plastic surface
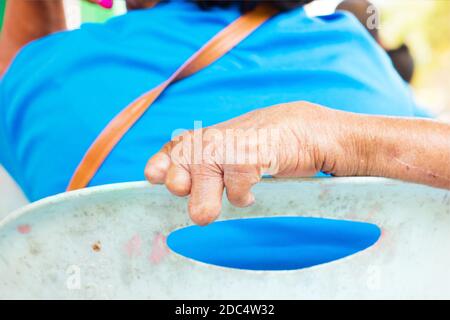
x: 282, y: 243
x: 109, y: 242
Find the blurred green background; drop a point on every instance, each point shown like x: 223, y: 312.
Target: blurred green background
x: 2, y: 10
x: 93, y: 13
x: 422, y: 24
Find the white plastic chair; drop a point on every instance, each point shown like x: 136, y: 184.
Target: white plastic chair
x: 11, y: 196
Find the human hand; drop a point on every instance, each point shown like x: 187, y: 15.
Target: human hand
x: 289, y: 140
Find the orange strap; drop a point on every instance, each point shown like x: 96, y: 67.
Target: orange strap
x: 219, y: 45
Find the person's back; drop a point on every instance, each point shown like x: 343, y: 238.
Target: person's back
x: 62, y: 90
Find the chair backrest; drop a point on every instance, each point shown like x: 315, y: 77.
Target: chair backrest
x: 11, y: 197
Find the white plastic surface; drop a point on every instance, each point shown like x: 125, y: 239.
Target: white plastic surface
x: 109, y: 242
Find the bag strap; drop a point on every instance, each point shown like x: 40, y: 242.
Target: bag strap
x: 215, y: 48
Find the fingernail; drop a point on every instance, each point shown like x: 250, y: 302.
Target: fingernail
x: 107, y: 4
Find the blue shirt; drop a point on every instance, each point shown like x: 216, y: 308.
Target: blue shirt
x: 62, y: 90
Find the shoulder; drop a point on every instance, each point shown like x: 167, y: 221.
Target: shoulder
x: 32, y: 60
x: 42, y: 60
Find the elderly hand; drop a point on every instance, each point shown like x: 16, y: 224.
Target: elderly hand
x: 297, y: 140
x: 289, y: 140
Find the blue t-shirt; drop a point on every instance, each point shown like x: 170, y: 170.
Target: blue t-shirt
x: 62, y: 90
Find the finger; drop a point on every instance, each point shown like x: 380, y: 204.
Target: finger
x: 158, y: 165
x: 178, y: 180
x: 206, y: 195
x: 238, y: 182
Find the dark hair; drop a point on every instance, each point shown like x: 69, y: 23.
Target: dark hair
x: 250, y: 4
x: 360, y: 9
x: 403, y: 62
x: 401, y: 57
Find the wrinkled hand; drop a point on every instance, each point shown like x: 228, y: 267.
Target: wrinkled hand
x: 289, y: 140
